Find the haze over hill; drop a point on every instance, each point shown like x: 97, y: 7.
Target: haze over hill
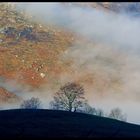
x: 95, y: 47
x: 117, y: 7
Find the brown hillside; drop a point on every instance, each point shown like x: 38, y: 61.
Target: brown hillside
x: 28, y: 51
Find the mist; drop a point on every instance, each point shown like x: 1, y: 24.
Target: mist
x: 111, y: 59
x: 105, y: 27
x: 25, y: 92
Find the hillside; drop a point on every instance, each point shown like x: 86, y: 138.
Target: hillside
x: 34, y: 55
x: 29, y: 51
x: 49, y: 123
x: 37, y: 58
x: 7, y: 96
x: 117, y: 7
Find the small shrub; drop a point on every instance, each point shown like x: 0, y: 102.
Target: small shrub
x: 33, y: 103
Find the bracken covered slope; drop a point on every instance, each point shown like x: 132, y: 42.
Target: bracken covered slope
x: 28, y: 51
x: 35, y: 54
x: 6, y: 96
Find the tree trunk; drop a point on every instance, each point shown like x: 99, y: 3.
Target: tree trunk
x: 75, y: 109
x: 70, y: 107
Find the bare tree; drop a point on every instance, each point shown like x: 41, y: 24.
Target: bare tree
x: 33, y: 103
x: 100, y: 112
x: 116, y: 113
x: 86, y: 108
x: 70, y: 97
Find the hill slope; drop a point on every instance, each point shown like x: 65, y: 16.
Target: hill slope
x: 29, y: 51
x: 36, y: 55
x: 6, y: 95
x: 133, y: 7
x: 48, y: 123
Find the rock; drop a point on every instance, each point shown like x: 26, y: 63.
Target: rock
x: 1, y: 40
x: 40, y: 25
x: 10, y: 31
x: 33, y: 77
x: 42, y: 75
x: 37, y: 69
x: 25, y: 32
x: 12, y: 20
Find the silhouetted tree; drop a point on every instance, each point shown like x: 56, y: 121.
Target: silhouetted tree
x: 86, y: 108
x: 116, y: 113
x: 70, y: 97
x: 33, y: 103
x: 99, y: 112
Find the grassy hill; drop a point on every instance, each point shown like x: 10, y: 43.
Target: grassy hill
x: 49, y: 123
